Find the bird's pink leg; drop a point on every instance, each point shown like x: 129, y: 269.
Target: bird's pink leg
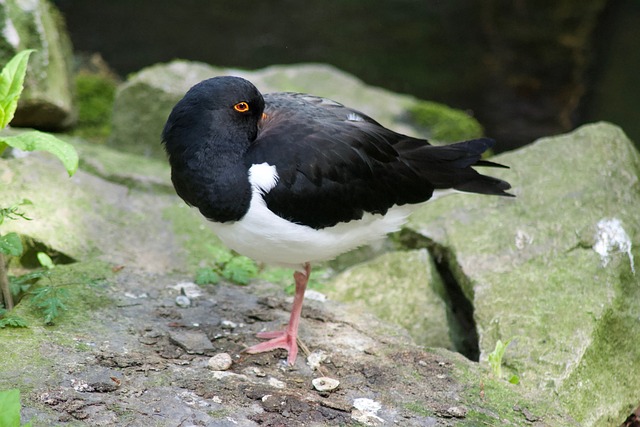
x: 287, y: 339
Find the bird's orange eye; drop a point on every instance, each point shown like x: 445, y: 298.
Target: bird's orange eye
x: 241, y: 107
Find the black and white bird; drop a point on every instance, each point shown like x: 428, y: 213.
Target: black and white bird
x: 292, y: 179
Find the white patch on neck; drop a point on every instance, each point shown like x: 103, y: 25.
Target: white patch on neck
x: 263, y: 177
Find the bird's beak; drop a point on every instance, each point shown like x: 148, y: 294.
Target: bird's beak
x: 264, y: 116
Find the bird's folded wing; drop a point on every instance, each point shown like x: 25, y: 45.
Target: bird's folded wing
x: 333, y: 163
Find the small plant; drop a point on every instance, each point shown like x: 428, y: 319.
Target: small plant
x: 8, y: 319
x: 10, y: 409
x: 11, y: 85
x: 495, y: 361
x: 49, y: 301
x: 46, y: 299
x: 10, y: 245
x: 235, y: 268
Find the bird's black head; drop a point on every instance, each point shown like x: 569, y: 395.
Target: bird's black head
x: 221, y: 110
x: 206, y: 136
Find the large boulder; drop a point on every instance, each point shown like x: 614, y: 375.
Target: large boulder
x: 47, y: 100
x: 143, y: 103
x: 554, y: 269
x: 382, y: 286
x: 132, y: 219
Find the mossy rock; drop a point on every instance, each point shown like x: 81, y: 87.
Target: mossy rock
x: 445, y: 124
x: 47, y: 101
x: 553, y: 269
x: 95, y: 96
x: 399, y: 287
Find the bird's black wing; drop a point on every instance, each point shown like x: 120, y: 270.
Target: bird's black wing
x: 335, y: 163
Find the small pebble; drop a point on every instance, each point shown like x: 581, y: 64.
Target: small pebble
x: 457, y: 411
x: 316, y: 358
x: 228, y: 324
x: 315, y: 296
x: 188, y: 289
x: 325, y: 384
x: 258, y: 372
x: 273, y: 382
x: 183, y: 301
x: 220, y: 362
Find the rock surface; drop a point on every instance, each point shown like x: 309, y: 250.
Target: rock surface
x: 47, y: 100
x: 143, y: 103
x: 555, y: 269
x: 382, y: 286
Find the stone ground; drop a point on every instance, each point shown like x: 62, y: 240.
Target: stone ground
x: 141, y: 360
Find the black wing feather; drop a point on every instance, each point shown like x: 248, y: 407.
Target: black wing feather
x: 335, y: 163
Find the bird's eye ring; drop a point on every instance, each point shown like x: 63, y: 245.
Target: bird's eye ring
x: 241, y: 107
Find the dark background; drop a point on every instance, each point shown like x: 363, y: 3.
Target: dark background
x: 524, y: 69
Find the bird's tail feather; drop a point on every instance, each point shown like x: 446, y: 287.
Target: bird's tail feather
x: 453, y: 168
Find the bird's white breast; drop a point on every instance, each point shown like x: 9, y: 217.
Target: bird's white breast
x: 264, y: 236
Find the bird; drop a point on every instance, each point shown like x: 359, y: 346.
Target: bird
x: 292, y: 179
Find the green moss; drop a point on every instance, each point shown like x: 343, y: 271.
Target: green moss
x: 29, y: 350
x: 605, y: 373
x: 418, y: 408
x: 85, y: 283
x: 400, y: 287
x: 445, y: 124
x: 220, y: 413
x: 124, y: 168
x: 95, y: 95
x: 497, y: 402
x: 198, y: 240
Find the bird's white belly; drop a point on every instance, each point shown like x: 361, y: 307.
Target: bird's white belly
x: 266, y: 237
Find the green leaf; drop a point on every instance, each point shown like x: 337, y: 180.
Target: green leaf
x: 13, y: 212
x: 277, y: 275
x: 207, y: 276
x: 220, y: 255
x: 495, y: 358
x: 10, y: 244
x: 13, y: 322
x: 10, y: 408
x: 48, y: 299
x: 45, y: 260
x: 11, y: 84
x: 240, y: 270
x: 514, y: 379
x: 35, y: 140
x: 19, y: 284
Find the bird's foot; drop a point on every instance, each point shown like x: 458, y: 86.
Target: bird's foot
x: 287, y: 339
x: 278, y: 339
